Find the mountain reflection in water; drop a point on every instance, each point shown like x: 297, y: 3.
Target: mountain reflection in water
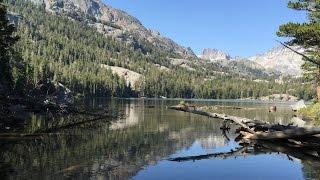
x: 139, y: 144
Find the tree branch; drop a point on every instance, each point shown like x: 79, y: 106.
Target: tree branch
x: 301, y: 54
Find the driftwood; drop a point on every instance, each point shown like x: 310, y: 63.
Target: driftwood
x: 254, y: 129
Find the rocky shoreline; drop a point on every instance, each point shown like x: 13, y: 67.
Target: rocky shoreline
x: 276, y: 98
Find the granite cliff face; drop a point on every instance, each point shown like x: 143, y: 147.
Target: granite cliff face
x: 281, y: 59
x: 214, y: 55
x: 113, y: 22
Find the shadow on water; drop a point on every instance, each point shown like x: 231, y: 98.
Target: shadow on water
x: 130, y: 146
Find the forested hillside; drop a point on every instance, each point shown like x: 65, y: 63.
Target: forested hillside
x: 72, y: 52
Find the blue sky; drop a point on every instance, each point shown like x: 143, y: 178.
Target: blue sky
x: 239, y: 27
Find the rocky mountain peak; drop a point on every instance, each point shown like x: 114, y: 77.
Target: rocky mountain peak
x: 214, y: 55
x: 113, y: 22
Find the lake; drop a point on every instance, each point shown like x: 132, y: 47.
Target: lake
x: 141, y: 143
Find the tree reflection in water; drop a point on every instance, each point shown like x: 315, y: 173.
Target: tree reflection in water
x: 120, y: 149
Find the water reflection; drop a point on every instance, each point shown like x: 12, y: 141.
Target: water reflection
x: 134, y: 146
x: 212, y: 142
x: 131, y: 117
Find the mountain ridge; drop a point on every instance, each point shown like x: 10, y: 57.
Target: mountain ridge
x: 124, y: 27
x: 115, y: 23
x: 279, y: 60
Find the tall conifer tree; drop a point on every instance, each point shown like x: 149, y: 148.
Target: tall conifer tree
x: 306, y: 35
x: 7, y: 40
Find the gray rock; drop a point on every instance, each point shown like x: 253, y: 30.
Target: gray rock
x: 296, y: 121
x: 214, y: 55
x: 63, y: 94
x: 55, y: 92
x: 299, y: 105
x: 279, y: 97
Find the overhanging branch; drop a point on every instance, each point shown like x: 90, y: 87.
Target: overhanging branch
x: 301, y: 54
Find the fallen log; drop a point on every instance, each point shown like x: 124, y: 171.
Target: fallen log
x: 284, y: 134
x: 257, y: 130
x: 240, y: 121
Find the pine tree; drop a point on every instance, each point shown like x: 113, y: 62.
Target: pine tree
x: 7, y: 40
x: 306, y: 35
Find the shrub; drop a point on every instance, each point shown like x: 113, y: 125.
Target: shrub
x: 312, y: 111
x: 182, y: 103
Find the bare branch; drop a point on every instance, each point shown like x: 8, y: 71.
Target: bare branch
x: 301, y: 54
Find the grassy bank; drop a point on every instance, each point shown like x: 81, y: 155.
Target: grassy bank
x: 312, y: 111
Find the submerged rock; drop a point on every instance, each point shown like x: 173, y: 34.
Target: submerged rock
x: 273, y: 109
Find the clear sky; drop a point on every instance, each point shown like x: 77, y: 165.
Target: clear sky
x: 238, y: 27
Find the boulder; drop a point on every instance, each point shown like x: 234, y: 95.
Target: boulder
x: 63, y: 94
x: 299, y: 105
x: 54, y: 92
x: 296, y: 121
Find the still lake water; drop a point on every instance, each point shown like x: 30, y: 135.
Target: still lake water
x: 139, y: 145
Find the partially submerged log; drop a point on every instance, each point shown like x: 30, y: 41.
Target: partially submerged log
x: 240, y: 121
x: 284, y: 134
x: 257, y: 130
x: 257, y: 137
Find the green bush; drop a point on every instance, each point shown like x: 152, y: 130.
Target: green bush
x: 312, y: 111
x: 182, y: 103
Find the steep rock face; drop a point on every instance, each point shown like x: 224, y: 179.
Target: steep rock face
x: 277, y: 61
x: 214, y: 55
x: 113, y: 22
x: 281, y: 59
x: 243, y: 66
